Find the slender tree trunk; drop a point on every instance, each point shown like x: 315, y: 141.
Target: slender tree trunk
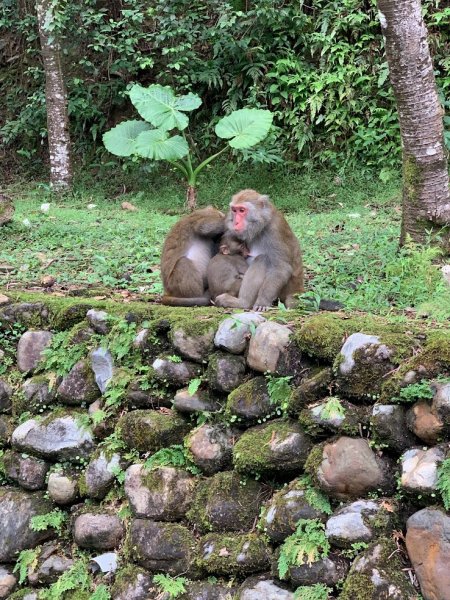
x: 55, y: 98
x: 426, y: 197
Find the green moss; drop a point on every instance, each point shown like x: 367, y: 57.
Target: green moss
x: 314, y: 460
x: 151, y: 430
x: 20, y: 594
x: 252, y: 453
x: 434, y: 355
x: 357, y: 585
x: 125, y: 577
x: 233, y: 554
x: 250, y: 400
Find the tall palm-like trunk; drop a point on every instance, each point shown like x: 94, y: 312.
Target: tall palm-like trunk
x: 55, y: 98
x: 426, y: 197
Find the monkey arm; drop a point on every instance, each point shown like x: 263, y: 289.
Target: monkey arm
x: 210, y: 228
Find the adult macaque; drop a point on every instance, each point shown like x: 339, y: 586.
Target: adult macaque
x: 187, y: 250
x: 227, y: 268
x: 275, y: 260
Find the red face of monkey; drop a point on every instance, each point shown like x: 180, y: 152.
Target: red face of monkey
x: 239, y: 214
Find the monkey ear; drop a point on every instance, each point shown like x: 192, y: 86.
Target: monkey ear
x: 263, y: 201
x: 223, y: 249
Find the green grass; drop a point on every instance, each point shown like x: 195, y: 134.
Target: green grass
x: 348, y: 226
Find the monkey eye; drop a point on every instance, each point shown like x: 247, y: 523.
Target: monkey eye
x: 239, y: 209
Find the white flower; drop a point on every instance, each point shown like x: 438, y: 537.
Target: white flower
x: 26, y: 222
x: 91, y: 206
x: 45, y: 207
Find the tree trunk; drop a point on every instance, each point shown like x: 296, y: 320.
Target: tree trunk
x: 55, y: 99
x: 426, y: 197
x: 191, y: 198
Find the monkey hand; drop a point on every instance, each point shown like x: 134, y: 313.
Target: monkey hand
x: 259, y: 308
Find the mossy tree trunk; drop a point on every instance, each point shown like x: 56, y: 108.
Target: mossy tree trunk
x: 55, y: 97
x: 426, y: 197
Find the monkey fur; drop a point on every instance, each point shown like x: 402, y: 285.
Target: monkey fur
x: 275, y: 260
x: 187, y: 250
x: 227, y: 268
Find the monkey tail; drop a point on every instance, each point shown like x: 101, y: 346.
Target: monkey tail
x: 174, y: 301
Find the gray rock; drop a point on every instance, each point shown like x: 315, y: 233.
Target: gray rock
x: 163, y: 494
x: 28, y: 314
x: 6, y: 429
x: 234, y: 332
x: 99, y: 475
x: 350, y: 469
x: 29, y: 472
x: 151, y: 430
x: 16, y: 509
x: 193, y: 347
x: 78, y: 386
x: 225, y: 503
x: 335, y: 415
x: 51, y: 564
x: 225, y: 372
x: 39, y: 394
x: 5, y: 396
x: 162, y: 547
x: 250, y: 401
x: 30, y: 348
x: 359, y: 521
x: 98, y: 531
x: 8, y: 581
x: 441, y: 401
x: 381, y: 567
x: 311, y: 389
x: 329, y: 571
x: 59, y: 438
x: 211, y: 447
x: 62, y: 489
x: 105, y: 563
x: 420, y: 469
x: 98, y: 320
x: 424, y: 423
x: 175, y: 373
x: 389, y: 424
x: 203, y: 590
x: 362, y: 364
x: 280, y: 446
x: 134, y: 584
x: 288, y: 506
x: 232, y: 554
x: 428, y: 546
x: 154, y: 397
x: 263, y: 588
x: 199, y: 401
x: 267, y: 345
x: 103, y: 367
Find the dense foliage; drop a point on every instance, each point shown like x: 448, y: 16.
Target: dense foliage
x: 319, y: 66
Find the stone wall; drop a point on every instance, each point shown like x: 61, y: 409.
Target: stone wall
x: 241, y: 456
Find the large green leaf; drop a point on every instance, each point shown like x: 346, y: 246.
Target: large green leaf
x: 157, y: 144
x: 121, y: 140
x: 245, y: 128
x: 159, y: 105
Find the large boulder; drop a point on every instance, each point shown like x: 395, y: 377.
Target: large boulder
x: 428, y: 546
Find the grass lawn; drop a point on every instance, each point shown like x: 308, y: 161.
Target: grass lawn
x: 348, y: 227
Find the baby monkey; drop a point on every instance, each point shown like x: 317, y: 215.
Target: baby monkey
x: 226, y: 269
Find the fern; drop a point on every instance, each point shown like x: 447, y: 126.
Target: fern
x: 443, y: 483
x: 27, y: 560
x: 279, y: 391
x: 173, y: 456
x: 315, y: 497
x: 174, y: 586
x: 306, y: 545
x: 319, y: 591
x: 416, y: 391
x: 193, y: 386
x: 101, y: 593
x: 75, y: 578
x: 332, y: 409
x: 55, y: 519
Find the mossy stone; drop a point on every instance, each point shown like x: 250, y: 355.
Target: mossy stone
x: 237, y: 554
x: 151, y: 430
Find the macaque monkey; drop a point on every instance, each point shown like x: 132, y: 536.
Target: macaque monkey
x: 275, y: 260
x: 187, y: 250
x: 226, y: 269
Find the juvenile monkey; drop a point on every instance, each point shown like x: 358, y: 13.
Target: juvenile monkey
x: 226, y: 269
x: 275, y: 260
x: 187, y: 250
